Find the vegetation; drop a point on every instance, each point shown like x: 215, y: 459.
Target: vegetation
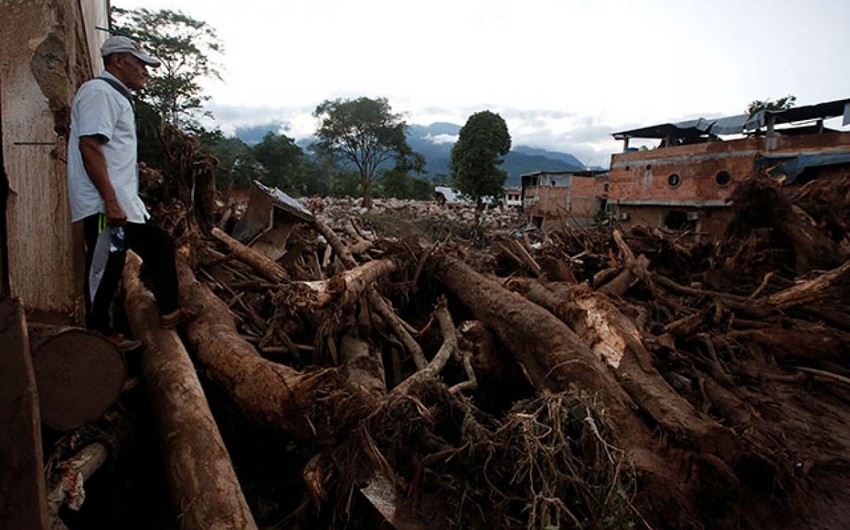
x: 365, y: 133
x: 184, y: 46
x: 476, y: 156
x: 780, y: 104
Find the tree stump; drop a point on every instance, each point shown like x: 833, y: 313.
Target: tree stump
x: 78, y: 372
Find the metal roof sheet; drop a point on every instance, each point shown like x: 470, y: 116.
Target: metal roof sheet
x: 738, y: 124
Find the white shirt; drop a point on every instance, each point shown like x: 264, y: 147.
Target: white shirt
x: 99, y: 108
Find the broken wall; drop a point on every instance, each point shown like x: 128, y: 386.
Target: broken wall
x: 47, y: 49
x: 577, y: 203
x: 695, y: 181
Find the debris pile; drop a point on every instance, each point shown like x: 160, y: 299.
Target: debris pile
x: 418, y: 368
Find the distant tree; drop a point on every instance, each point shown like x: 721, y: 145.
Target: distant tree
x: 281, y: 157
x: 399, y: 184
x: 238, y: 165
x: 476, y: 156
x: 312, y: 178
x: 343, y: 183
x: 183, y: 45
x: 421, y: 189
x: 365, y: 133
x: 780, y: 104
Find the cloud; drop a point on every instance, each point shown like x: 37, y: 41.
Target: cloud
x: 297, y: 122
x: 441, y: 138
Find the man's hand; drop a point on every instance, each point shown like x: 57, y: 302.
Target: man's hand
x: 115, y: 215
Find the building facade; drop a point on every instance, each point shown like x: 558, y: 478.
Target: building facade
x: 550, y: 199
x: 685, y: 182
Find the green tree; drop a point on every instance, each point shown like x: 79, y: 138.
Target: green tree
x: 281, y: 158
x: 365, y: 133
x: 476, y: 156
x: 397, y: 183
x: 780, y: 104
x: 343, y: 183
x: 183, y: 45
x: 238, y: 165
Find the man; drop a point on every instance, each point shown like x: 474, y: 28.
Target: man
x: 103, y: 186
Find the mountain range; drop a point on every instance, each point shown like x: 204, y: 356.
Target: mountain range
x: 435, y: 143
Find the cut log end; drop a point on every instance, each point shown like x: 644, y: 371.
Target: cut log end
x: 78, y: 372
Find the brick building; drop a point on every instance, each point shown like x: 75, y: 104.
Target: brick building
x: 550, y: 198
x: 685, y: 181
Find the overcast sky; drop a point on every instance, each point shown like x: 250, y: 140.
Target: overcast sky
x: 563, y: 74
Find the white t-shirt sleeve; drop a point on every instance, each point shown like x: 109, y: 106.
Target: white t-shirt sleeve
x: 98, y: 113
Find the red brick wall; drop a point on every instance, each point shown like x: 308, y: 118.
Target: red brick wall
x: 643, y: 175
x: 580, y: 200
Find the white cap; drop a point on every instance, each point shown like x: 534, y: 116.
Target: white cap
x: 122, y: 44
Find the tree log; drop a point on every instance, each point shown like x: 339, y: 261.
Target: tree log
x: 615, y: 340
x: 375, y: 299
x: 79, y: 374
x: 259, y: 262
x: 312, y: 405
x: 809, y: 291
x: 204, y: 487
x: 803, y: 341
x: 556, y: 360
x: 346, y: 287
x: 361, y: 366
x: 553, y: 356
x: 66, y: 485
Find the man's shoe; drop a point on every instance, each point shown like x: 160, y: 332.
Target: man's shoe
x: 124, y: 344
x: 181, y: 316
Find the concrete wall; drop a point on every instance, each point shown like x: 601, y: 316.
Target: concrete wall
x: 46, y: 52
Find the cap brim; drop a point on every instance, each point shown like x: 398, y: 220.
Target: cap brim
x: 147, y: 59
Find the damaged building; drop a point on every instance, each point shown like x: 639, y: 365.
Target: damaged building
x: 551, y: 198
x: 685, y: 181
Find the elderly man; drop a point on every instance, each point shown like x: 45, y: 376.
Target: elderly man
x: 103, y: 186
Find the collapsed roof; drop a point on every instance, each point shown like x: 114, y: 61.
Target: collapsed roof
x: 742, y: 123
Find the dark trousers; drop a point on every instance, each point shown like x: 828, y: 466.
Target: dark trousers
x: 156, y: 248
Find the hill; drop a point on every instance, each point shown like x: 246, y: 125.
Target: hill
x: 435, y: 143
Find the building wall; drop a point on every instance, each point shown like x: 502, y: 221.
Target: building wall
x: 644, y: 175
x: 45, y: 54
x: 577, y: 203
x: 641, y: 192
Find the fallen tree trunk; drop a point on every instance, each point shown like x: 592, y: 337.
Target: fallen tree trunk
x: 79, y: 374
x: 259, y: 262
x: 616, y: 340
x: 379, y: 305
x: 553, y: 356
x: 361, y: 366
x: 809, y: 291
x: 556, y: 360
x: 311, y: 405
x: 204, y: 487
x: 347, y: 286
x: 66, y: 485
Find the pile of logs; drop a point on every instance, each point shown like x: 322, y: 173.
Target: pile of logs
x: 592, y: 379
